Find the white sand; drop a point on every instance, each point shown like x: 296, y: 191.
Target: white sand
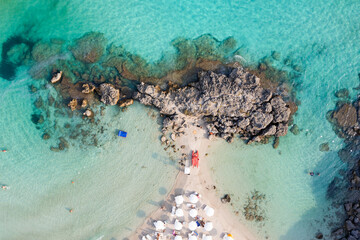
x: 199, y: 180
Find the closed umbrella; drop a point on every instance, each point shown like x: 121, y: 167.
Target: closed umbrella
x: 179, y: 199
x: 209, y: 211
x: 159, y: 225
x: 178, y: 237
x: 193, y: 198
x: 193, y: 213
x: 178, y: 225
x: 192, y: 226
x: 179, y: 212
x: 208, y: 226
x: 192, y: 237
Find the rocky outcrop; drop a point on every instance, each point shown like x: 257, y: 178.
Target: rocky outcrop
x: 126, y: 102
x: 346, y: 124
x: 56, y: 77
x: 109, y: 94
x: 73, y: 104
x: 228, y: 104
x: 88, y: 88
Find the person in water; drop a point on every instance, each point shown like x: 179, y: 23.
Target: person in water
x: 311, y: 173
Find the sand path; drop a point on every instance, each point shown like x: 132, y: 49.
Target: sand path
x: 199, y: 180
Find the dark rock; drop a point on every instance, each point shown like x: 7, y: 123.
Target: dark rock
x: 37, y: 118
x: 338, y: 232
x: 348, y: 206
x: 349, y: 225
x: 295, y: 129
x: 324, y: 147
x: 355, y: 233
x: 46, y: 136
x: 319, y: 235
x: 276, y: 142
x: 109, y: 94
x: 226, y: 198
x: 342, y: 93
x: 346, y: 116
x: 229, y: 104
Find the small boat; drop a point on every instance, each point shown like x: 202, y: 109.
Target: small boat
x: 195, y: 159
x: 122, y: 134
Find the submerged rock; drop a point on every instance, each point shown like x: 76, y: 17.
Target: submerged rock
x: 324, y: 147
x: 342, y: 93
x: 90, y: 47
x: 109, y: 94
x: 319, y: 235
x: 346, y: 116
x: 46, y: 136
x: 295, y: 129
x: 18, y: 53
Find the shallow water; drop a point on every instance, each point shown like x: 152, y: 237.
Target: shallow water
x: 108, y: 195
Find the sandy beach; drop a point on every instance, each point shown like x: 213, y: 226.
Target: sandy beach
x: 199, y: 180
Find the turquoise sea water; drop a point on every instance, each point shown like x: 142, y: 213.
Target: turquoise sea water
x: 121, y: 180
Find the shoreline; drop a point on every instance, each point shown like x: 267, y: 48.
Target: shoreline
x: 199, y: 180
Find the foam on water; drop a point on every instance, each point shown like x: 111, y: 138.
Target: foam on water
x: 108, y: 195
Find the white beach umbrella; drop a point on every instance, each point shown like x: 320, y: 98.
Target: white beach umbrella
x: 193, y: 198
x: 178, y: 237
x: 192, y: 226
x: 192, y: 237
x: 193, y: 213
x: 209, y: 211
x: 208, y: 226
x: 178, y: 225
x: 207, y: 237
x: 159, y: 225
x: 228, y: 237
x: 179, y: 199
x: 179, y: 212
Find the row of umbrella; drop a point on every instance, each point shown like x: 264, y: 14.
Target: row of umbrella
x: 193, y: 212
x: 192, y: 198
x: 192, y: 226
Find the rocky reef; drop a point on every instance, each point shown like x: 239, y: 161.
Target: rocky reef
x: 346, y: 124
x: 76, y: 78
x: 227, y: 104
